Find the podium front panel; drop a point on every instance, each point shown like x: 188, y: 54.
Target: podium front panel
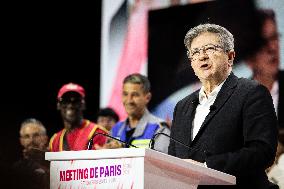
x: 119, y: 173
x: 128, y: 168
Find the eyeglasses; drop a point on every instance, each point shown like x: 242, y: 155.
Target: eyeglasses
x: 208, y: 49
x: 73, y: 101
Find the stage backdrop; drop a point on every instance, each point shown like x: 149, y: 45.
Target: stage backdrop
x: 147, y: 37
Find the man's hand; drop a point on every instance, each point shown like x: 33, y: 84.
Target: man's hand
x: 111, y: 144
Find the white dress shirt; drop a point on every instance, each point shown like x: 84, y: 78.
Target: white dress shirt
x: 276, y: 173
x: 203, y: 108
x: 275, y: 95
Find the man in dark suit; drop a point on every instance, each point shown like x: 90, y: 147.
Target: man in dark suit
x: 230, y: 123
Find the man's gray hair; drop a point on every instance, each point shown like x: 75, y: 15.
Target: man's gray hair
x: 140, y: 79
x: 33, y: 121
x: 226, y: 38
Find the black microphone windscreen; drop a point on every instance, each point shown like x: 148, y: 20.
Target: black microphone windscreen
x: 212, y: 108
x: 195, y: 102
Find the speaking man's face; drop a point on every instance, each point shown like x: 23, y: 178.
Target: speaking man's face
x: 208, y: 59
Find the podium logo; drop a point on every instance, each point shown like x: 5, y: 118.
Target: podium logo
x: 90, y: 173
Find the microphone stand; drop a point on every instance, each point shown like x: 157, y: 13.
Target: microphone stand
x: 152, y: 142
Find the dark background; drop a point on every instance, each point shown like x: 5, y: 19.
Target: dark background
x: 45, y: 46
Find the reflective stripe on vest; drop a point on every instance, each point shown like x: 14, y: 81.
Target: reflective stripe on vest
x: 141, y: 143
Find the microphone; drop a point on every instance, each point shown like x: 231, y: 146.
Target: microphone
x: 152, y: 142
x: 212, y: 108
x: 195, y: 102
x: 91, y: 141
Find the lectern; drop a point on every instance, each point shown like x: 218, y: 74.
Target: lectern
x: 128, y: 168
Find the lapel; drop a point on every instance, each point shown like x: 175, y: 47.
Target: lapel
x: 188, y: 114
x: 223, y: 95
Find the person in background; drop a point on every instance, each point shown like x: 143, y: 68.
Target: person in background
x: 140, y: 125
x: 107, y: 118
x: 265, y: 62
x: 230, y: 122
x: 265, y: 68
x: 33, y: 136
x: 32, y: 171
x: 77, y: 131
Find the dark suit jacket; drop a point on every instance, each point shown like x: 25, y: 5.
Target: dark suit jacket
x: 238, y: 136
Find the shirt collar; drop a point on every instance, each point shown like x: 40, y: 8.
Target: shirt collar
x: 213, y: 94
x: 275, y: 88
